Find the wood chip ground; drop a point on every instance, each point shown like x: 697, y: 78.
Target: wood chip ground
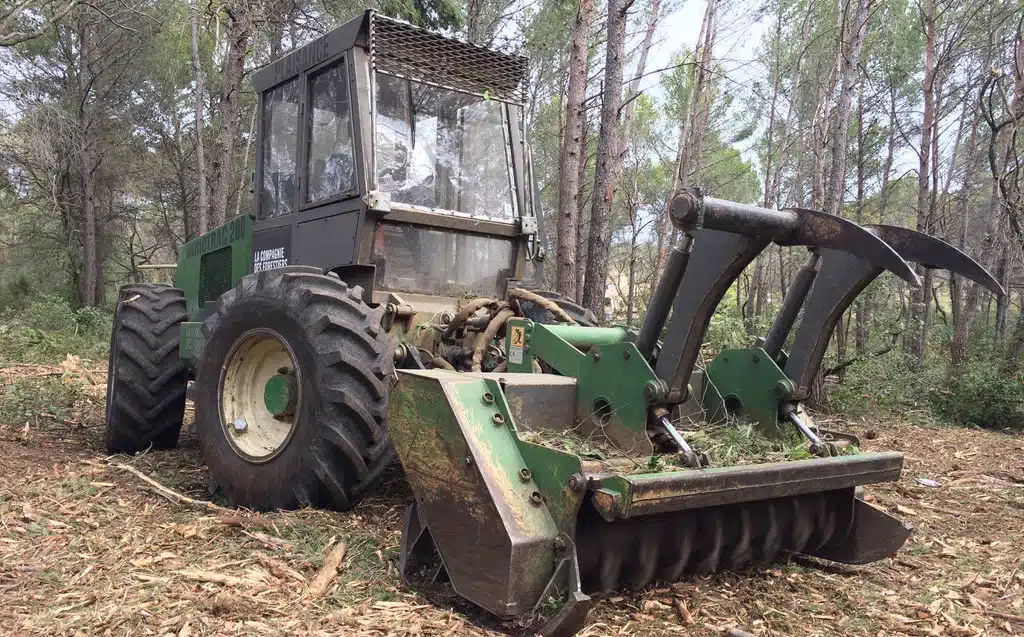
x: 87, y: 548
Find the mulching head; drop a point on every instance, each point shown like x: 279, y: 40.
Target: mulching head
x: 527, y: 521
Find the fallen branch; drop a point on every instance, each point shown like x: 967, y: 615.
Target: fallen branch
x: 323, y: 579
x: 279, y: 569
x: 843, y: 365
x: 682, y: 611
x: 269, y: 540
x: 169, y: 492
x: 1006, y: 616
x: 216, y: 578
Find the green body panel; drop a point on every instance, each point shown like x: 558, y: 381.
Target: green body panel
x: 556, y: 345
x: 749, y: 383
x: 616, y: 385
x: 191, y: 341
x: 208, y: 266
x: 552, y: 471
x: 194, y: 276
x: 524, y: 339
x: 614, y: 382
x: 474, y: 485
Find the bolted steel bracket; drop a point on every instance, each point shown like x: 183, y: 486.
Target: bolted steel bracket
x: 565, y: 583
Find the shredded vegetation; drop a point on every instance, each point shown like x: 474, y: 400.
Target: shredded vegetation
x: 729, y: 443
x: 745, y: 443
x: 591, y: 447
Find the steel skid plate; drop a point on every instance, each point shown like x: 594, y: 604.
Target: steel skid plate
x: 494, y: 505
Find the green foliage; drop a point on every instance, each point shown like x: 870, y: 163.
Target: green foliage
x: 30, y: 400
x: 726, y: 330
x: 729, y: 176
x: 677, y: 86
x: 892, y: 386
x: 982, y: 396
x: 436, y: 15
x: 48, y: 329
x: 886, y: 386
x: 734, y: 443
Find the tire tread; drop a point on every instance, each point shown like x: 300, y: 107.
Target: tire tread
x: 147, y: 395
x: 354, y: 361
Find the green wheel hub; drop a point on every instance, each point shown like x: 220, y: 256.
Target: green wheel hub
x: 280, y: 394
x: 260, y: 395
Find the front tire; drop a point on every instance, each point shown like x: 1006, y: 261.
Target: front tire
x: 325, y: 442
x: 146, y: 379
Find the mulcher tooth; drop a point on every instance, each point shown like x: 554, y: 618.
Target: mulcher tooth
x: 837, y: 281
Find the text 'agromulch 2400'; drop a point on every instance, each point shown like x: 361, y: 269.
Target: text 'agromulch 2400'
x: 377, y: 305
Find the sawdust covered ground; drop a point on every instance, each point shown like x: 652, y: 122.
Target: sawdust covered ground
x: 87, y: 547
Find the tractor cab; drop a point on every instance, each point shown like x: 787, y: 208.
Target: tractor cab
x: 395, y: 158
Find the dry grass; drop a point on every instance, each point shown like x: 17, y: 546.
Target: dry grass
x: 87, y: 548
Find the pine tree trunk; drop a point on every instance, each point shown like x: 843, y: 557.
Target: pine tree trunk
x: 849, y: 76
x: 1015, y: 200
x: 238, y: 33
x: 608, y: 161
x: 581, y: 214
x: 202, y: 213
x: 665, y: 228
x: 688, y: 140
x: 956, y: 283
x: 476, y: 29
x: 789, y: 122
x: 631, y: 278
x: 641, y: 66
x: 88, y: 165
x: 864, y: 300
x: 915, y: 337
x: 573, y: 145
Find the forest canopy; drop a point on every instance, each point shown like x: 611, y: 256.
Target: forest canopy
x: 128, y: 127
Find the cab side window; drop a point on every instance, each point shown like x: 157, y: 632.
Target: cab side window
x: 330, y: 149
x: 280, y: 145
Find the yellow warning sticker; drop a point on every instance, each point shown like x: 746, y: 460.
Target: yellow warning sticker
x: 517, y: 344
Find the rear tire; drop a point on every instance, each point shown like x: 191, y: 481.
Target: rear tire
x: 146, y: 379
x: 330, y: 444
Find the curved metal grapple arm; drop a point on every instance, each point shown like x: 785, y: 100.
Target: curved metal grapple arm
x: 727, y: 236
x: 843, y: 276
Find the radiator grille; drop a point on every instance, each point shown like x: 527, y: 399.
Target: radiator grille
x: 214, y: 274
x: 415, y: 53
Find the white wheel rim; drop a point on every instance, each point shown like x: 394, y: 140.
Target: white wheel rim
x: 254, y: 359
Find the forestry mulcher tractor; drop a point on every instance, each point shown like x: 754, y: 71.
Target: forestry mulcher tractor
x: 375, y: 306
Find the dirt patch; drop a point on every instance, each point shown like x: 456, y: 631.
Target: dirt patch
x: 88, y: 548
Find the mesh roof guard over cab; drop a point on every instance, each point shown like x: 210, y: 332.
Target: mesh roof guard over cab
x: 408, y: 51
x: 402, y: 49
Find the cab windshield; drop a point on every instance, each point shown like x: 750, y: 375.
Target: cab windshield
x: 442, y: 149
